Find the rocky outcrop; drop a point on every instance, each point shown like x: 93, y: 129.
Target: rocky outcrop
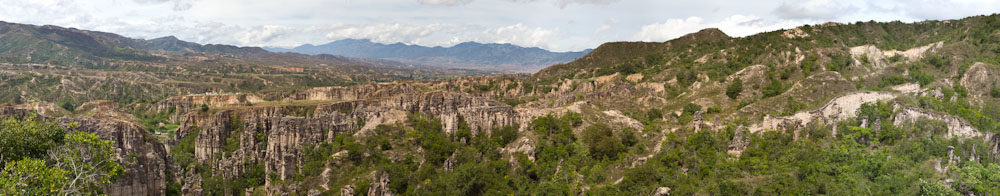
x: 44, y: 108
x: 878, y: 57
x: 275, y: 135
x: 359, y: 92
x: 662, y: 191
x: 145, y: 159
x: 980, y: 79
x: 994, y: 143
x: 740, y: 142
x: 480, y: 113
x: 838, y: 109
x: 348, y: 190
x: 380, y: 184
x: 957, y: 127
x: 618, y: 118
x: 188, y: 102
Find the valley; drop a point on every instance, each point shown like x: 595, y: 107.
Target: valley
x: 866, y: 108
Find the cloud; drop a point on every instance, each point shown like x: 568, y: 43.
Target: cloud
x: 444, y: 2
x: 670, y: 29
x: 386, y: 33
x: 607, y: 25
x: 564, y: 3
x: 945, y: 9
x: 560, y: 3
x: 815, y: 9
x: 179, y: 5
x: 735, y: 25
x: 519, y: 34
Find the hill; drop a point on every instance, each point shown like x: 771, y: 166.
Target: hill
x: 72, y: 66
x: 469, y: 55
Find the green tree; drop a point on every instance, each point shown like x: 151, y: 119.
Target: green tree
x: 77, y: 163
x: 936, y: 189
x: 603, y: 143
x: 89, y: 162
x: 692, y: 108
x: 27, y: 138
x: 32, y: 177
x: 735, y: 88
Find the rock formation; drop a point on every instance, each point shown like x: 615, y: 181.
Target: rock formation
x: 380, y: 184
x: 133, y: 144
x: 957, y: 127
x: 348, y: 190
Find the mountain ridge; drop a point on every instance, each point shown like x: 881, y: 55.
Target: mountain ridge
x: 49, y: 44
x: 487, y: 56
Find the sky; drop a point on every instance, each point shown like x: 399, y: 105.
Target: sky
x: 557, y: 25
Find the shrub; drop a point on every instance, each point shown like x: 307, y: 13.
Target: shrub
x: 603, y: 143
x: 735, y: 88
x: 995, y: 92
x: 28, y: 138
x: 713, y: 109
x: 692, y: 108
x: 774, y: 88
x: 68, y: 105
x: 505, y: 135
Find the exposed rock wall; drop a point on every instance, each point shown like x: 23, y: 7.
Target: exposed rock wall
x: 188, y: 102
x: 957, y: 127
x: 838, y: 109
x: 146, y: 176
x: 339, y: 93
x: 289, y: 128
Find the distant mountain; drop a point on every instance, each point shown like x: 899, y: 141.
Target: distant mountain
x: 501, y: 57
x: 24, y: 43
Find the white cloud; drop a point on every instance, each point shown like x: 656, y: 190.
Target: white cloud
x: 179, y: 5
x: 444, y: 2
x: 671, y: 29
x: 386, y: 33
x: 815, y: 9
x: 559, y: 3
x: 564, y: 3
x: 607, y: 25
x: 735, y: 25
x: 519, y: 34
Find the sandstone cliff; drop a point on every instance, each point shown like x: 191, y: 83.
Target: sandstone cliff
x: 146, y: 160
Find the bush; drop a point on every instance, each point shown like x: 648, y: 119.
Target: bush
x: 68, y: 105
x: 204, y: 108
x: 692, y: 108
x: 995, y: 92
x: 28, y: 138
x: 653, y: 114
x: 505, y: 135
x: 774, y: 88
x: 603, y: 143
x: 713, y: 109
x: 961, y: 91
x: 735, y: 88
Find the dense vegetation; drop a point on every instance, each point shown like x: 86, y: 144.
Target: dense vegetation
x: 41, y: 158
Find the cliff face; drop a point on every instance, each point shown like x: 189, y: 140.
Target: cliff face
x: 194, y: 101
x: 149, y: 159
x: 367, y: 91
x: 275, y: 135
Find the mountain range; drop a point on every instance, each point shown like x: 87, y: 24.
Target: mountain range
x: 472, y: 55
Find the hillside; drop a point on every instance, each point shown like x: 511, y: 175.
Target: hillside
x: 468, y: 55
x: 71, y: 66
